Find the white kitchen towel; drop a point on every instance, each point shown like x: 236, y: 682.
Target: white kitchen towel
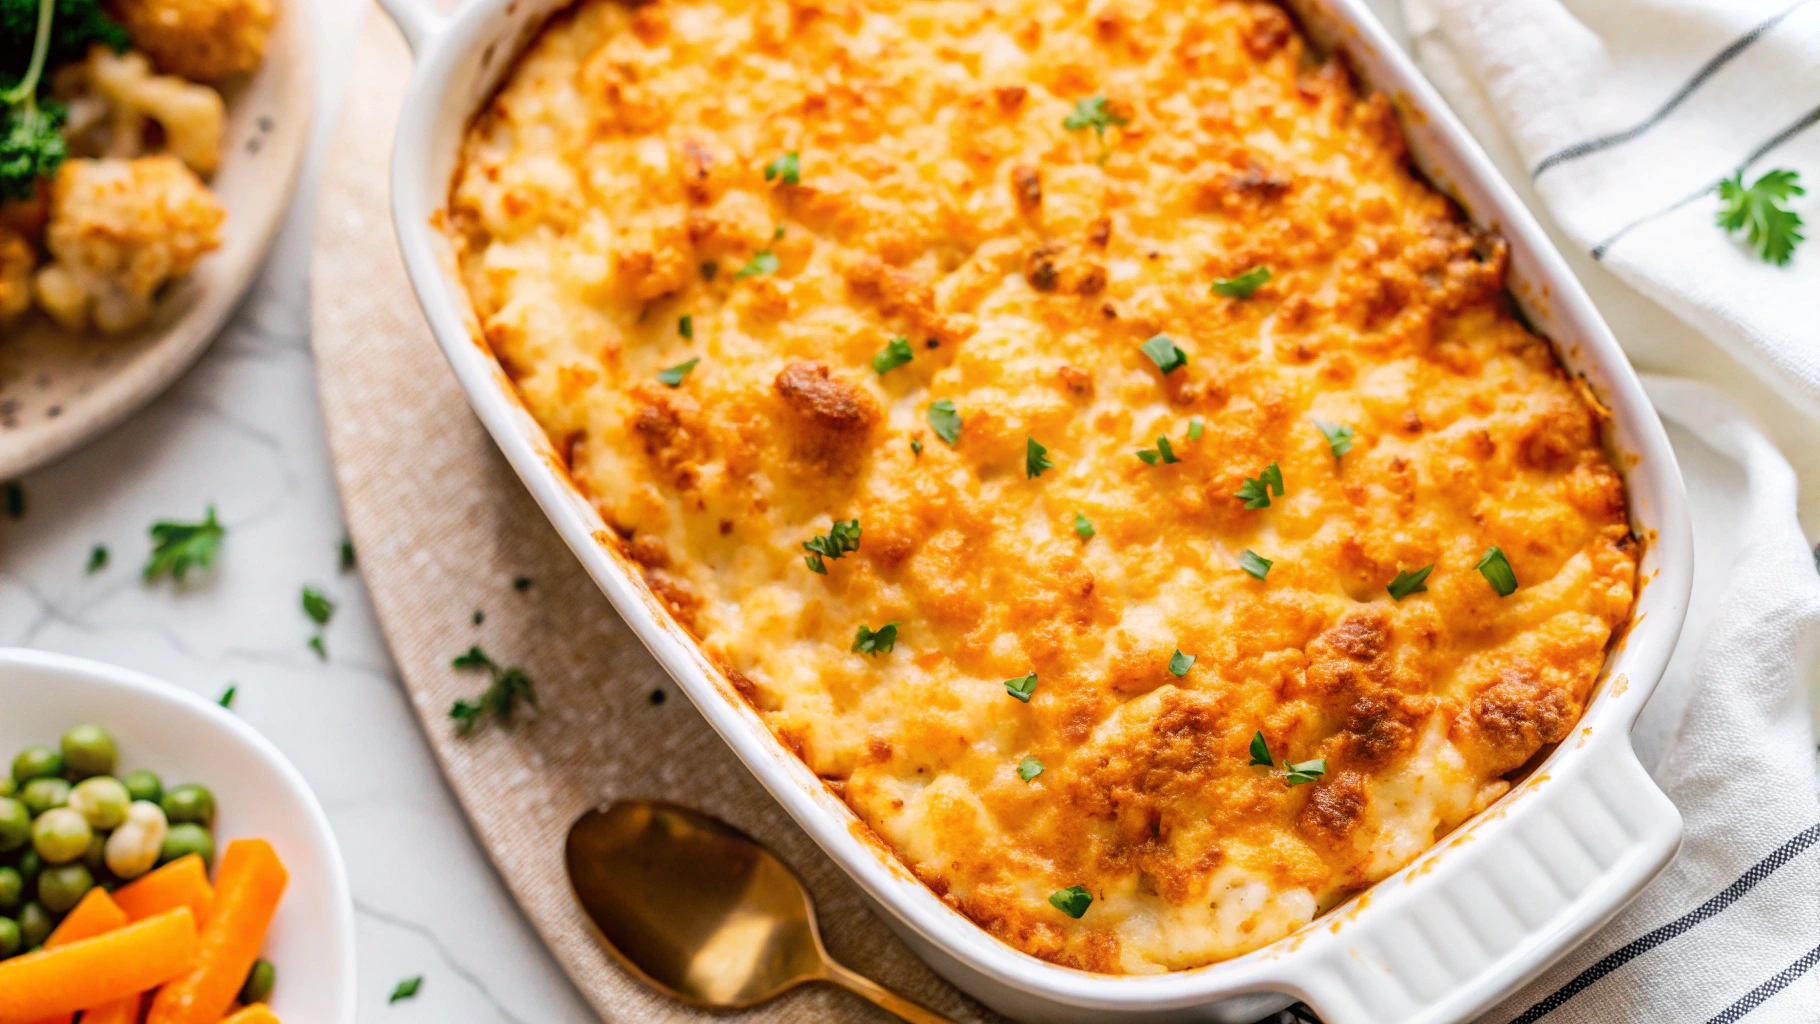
x: 1626, y: 114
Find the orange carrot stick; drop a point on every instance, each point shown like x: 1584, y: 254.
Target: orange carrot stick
x: 258, y: 1013
x: 183, y: 882
x: 248, y: 887
x: 120, y: 1011
x: 97, y: 914
x: 99, y: 970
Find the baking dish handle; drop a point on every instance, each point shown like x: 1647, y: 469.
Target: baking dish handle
x: 419, y: 20
x: 1492, y: 906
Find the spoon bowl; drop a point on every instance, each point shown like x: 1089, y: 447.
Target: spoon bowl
x: 702, y: 911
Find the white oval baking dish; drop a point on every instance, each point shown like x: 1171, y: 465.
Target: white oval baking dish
x: 1483, y: 911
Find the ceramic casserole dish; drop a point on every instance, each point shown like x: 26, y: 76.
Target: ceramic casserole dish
x: 1487, y: 908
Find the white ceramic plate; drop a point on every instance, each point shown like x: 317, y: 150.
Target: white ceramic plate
x: 58, y: 390
x: 257, y: 792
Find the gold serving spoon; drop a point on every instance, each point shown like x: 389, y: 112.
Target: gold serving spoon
x: 702, y: 911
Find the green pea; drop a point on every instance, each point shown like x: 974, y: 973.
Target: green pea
x: 102, y: 800
x: 144, y: 784
x: 9, y: 937
x: 88, y: 751
x: 30, y: 866
x: 189, y: 802
x: 12, y: 890
x: 60, y: 835
x: 61, y: 888
x: 187, y: 838
x: 41, y: 795
x: 35, y: 925
x: 259, y: 981
x: 36, y: 763
x: 15, y: 824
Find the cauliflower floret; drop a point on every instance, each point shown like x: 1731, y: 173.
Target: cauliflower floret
x: 17, y: 258
x: 112, y: 95
x: 120, y: 229
x: 204, y: 40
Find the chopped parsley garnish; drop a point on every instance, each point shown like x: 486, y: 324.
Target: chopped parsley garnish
x: 1307, y: 771
x: 945, y: 421
x: 1257, y: 491
x: 405, y: 989
x: 1164, y: 452
x: 841, y: 538
x: 1036, y: 458
x: 1761, y: 212
x: 480, y: 616
x: 317, y: 644
x: 97, y: 559
x: 1242, y: 286
x: 1196, y: 427
x: 1408, y: 583
x: 521, y: 583
x: 916, y: 446
x: 1180, y: 663
x: 709, y: 268
x: 786, y: 168
x: 685, y: 326
x: 675, y: 374
x: 347, y: 554
x: 178, y: 546
x: 1072, y: 901
x: 317, y: 606
x: 896, y: 353
x: 760, y: 263
x: 1029, y: 768
x: 1163, y: 351
x: 510, y: 685
x: 1083, y: 528
x: 1093, y: 112
x: 227, y: 696
x: 875, y: 641
x: 1021, y: 687
x: 1260, y: 750
x: 15, y: 500
x: 1497, y: 572
x: 1254, y: 563
x: 1339, y: 436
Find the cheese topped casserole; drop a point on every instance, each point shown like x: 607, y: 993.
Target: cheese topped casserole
x: 1072, y: 426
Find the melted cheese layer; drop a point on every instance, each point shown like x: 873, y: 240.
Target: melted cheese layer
x: 617, y: 186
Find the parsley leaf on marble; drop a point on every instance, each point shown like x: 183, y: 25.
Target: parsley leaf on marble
x: 317, y: 606
x: 945, y: 421
x: 1036, y: 458
x: 347, y: 554
x: 875, y: 641
x: 227, y: 696
x: 97, y: 559
x: 178, y: 546
x: 405, y: 989
x: 896, y: 353
x: 840, y: 539
x: 1408, y: 583
x: 1242, y: 286
x: 1163, y: 351
x: 1497, y: 572
x: 317, y: 644
x: 1021, y: 687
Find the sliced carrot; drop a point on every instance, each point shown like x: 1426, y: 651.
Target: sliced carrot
x: 183, y: 882
x: 258, y: 1013
x: 248, y: 886
x: 120, y: 1011
x: 94, y: 971
x: 96, y: 914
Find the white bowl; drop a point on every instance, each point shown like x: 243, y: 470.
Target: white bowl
x: 257, y: 792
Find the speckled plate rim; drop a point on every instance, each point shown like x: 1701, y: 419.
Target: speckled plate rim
x: 1469, y: 920
x: 280, y: 92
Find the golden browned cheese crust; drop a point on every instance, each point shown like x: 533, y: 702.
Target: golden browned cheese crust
x: 617, y: 185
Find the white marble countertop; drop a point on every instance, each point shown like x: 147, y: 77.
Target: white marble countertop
x: 243, y: 431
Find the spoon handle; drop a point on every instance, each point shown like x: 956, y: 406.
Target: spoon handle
x: 882, y: 997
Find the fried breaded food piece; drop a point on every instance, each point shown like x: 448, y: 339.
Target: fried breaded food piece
x: 203, y: 40
x: 17, y: 258
x: 112, y: 95
x: 119, y: 230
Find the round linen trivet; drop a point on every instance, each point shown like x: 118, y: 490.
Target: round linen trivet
x: 443, y: 528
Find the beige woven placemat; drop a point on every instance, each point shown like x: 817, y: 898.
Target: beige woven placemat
x: 444, y: 528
